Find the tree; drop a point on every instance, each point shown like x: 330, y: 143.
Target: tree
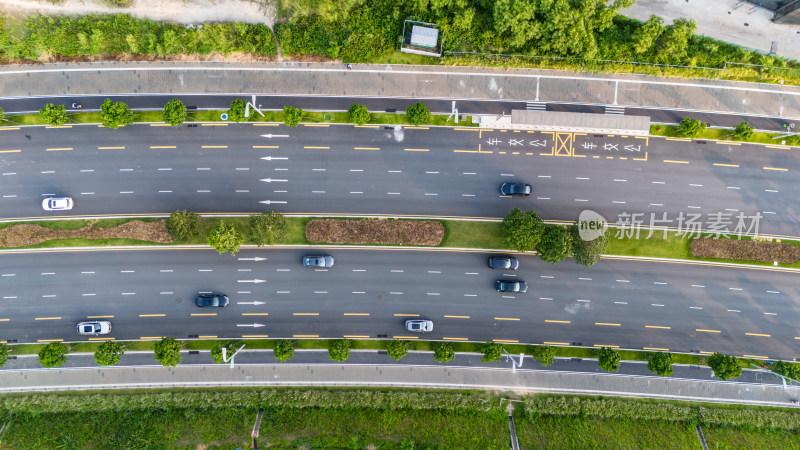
x: 660, y: 363
x: 743, y: 131
x: 397, y: 349
x: 53, y: 354
x: 646, y: 34
x: 109, y: 353
x: 725, y: 367
x: 443, y: 352
x: 225, y: 238
x: 418, y: 114
x: 555, y: 245
x: 54, y: 115
x: 492, y: 351
x: 3, y: 354
x: 116, y: 114
x: 587, y: 252
x: 174, y: 113
x: 181, y: 224
x: 691, y: 127
x: 673, y: 43
x: 359, y: 114
x: 522, y: 230
x: 787, y: 369
x: 339, y: 350
x: 292, y: 116
x: 267, y: 227
x: 608, y: 359
x: 168, y: 352
x: 284, y: 350
x: 216, y: 350
x: 236, y: 111
x: 545, y: 354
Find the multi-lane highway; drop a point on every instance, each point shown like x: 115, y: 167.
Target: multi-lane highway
x: 371, y: 292
x: 342, y: 169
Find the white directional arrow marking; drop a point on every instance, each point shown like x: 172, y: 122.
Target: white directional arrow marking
x: 270, y: 202
x: 252, y: 281
x: 274, y: 135
x: 250, y: 303
x: 270, y: 158
x: 254, y: 325
x: 270, y: 180
x: 257, y: 258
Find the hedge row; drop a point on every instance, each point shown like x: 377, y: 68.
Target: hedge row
x: 745, y: 250
x: 670, y: 411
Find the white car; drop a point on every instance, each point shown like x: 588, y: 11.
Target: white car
x: 94, y: 328
x: 57, y: 203
x: 419, y: 326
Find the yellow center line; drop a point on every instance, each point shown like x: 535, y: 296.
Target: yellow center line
x: 365, y: 126
x: 675, y: 161
x: 266, y: 146
x: 677, y: 139
x: 206, y: 337
x: 111, y: 148
x: 726, y: 165
x: 215, y: 124
x: 305, y: 335
x: 465, y: 151
x: 782, y: 147
x: 58, y: 149
x: 59, y: 126
x: 10, y: 151
x: 656, y: 349
x: 99, y: 317
x: 366, y: 148
x: 316, y: 124
x: 706, y: 353
x: 162, y: 146
x: 797, y: 337
x: 356, y: 314
x: 101, y: 339
x: 708, y: 331
x: 758, y: 334
x: 607, y: 324
x: 265, y: 124
x: 558, y: 321
x: 417, y: 149
x: 9, y: 128
x: 776, y: 168
x: 150, y: 337
x: 457, y: 317
x: 255, y: 314
x: 305, y: 314
x: 4, y: 320
x: 255, y: 335
x: 505, y: 318
x: 417, y: 128
x: 203, y: 314
x: 48, y: 318
x: 406, y: 315
x: 49, y: 340
x: 454, y: 338
x: 213, y: 146
x: 556, y: 343
x: 405, y: 337
x: 320, y: 148
x: 160, y: 125
x: 473, y: 129
x: 609, y: 346
x: 152, y: 315
x: 355, y: 336
x: 658, y: 327
x: 728, y: 143
x: 755, y: 356
x: 513, y: 341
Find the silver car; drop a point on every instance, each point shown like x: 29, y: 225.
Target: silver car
x: 318, y: 261
x: 419, y: 326
x: 94, y: 328
x: 57, y: 203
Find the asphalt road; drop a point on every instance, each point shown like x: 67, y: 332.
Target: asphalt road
x: 370, y: 293
x: 342, y: 169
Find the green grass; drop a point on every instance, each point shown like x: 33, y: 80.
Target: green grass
x: 472, y: 234
x: 741, y: 438
x: 718, y: 134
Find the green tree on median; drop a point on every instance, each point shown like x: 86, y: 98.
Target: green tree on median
x: 587, y: 252
x: 3, y: 354
x: 267, y: 227
x: 787, y: 369
x: 743, y: 131
x: 555, y: 244
x: 284, y: 350
x: 109, y: 353
x: 168, y: 352
x: 522, y: 230
x: 418, y: 114
x: 691, y: 127
x: 545, y: 354
x: 608, y: 359
x: 53, y: 355
x: 397, y: 349
x: 292, y: 116
x: 660, y: 363
x: 174, y: 112
x: 216, y: 350
x: 55, y: 115
x: 339, y: 350
x: 492, y: 351
x: 443, y: 352
x: 181, y: 224
x: 116, y: 114
x: 236, y: 111
x: 359, y: 114
x: 725, y: 367
x: 225, y: 238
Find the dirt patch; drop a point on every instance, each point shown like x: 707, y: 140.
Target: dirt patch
x: 25, y: 234
x: 375, y: 231
x: 745, y: 250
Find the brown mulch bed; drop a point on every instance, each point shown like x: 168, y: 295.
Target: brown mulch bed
x: 375, y: 231
x: 22, y: 235
x: 746, y: 250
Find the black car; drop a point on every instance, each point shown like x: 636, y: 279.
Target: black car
x: 510, y: 286
x: 503, y: 262
x: 218, y: 300
x: 516, y: 189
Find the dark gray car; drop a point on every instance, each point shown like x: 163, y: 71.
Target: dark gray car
x: 511, y: 286
x: 211, y: 300
x: 516, y: 189
x: 503, y: 262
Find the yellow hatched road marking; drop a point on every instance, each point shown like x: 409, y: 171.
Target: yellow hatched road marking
x: 659, y: 327
x: 558, y: 321
x: 48, y: 318
x: 454, y: 338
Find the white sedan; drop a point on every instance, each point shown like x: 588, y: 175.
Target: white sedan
x: 57, y: 203
x: 94, y: 328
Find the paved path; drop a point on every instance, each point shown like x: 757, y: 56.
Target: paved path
x: 399, y: 81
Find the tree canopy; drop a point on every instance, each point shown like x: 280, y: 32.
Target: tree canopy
x: 53, y: 355
x: 174, y: 112
x: 608, y: 359
x: 522, y: 230
x: 339, y: 350
x: 443, y: 352
x: 418, y: 114
x: 660, y: 363
x: 236, y: 110
x: 725, y: 367
x: 225, y: 238
x: 168, y: 352
x: 359, y: 114
x: 492, y: 351
x: 116, y: 114
x: 181, y: 224
x: 397, y: 349
x: 545, y: 354
x: 284, y: 350
x: 555, y: 244
x: 109, y: 353
x: 587, y: 252
x: 292, y: 116
x: 267, y: 227
x: 55, y: 115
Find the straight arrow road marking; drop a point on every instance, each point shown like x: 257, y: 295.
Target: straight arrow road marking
x: 270, y: 158
x: 253, y: 325
x: 270, y: 202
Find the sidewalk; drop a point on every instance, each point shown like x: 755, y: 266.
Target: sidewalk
x: 332, y: 79
x: 370, y: 368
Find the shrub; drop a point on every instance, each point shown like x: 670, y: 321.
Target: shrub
x: 2, y: 115
x: 168, y: 352
x: 443, y: 352
x: 787, y: 369
x: 691, y: 127
x: 284, y: 350
x: 660, y: 363
x: 492, y: 351
x: 555, y: 244
x: 743, y: 131
x: 292, y: 116
x: 225, y: 238
x: 418, y: 114
x: 174, y: 113
x: 3, y: 354
x: 116, y: 114
x: 359, y: 114
x: 216, y: 350
x: 608, y: 359
x: 397, y: 349
x: 339, y: 350
x: 54, y: 115
x: 109, y: 353
x: 53, y: 354
x: 181, y: 224
x: 267, y: 227
x: 236, y: 111
x: 725, y: 367
x: 545, y: 354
